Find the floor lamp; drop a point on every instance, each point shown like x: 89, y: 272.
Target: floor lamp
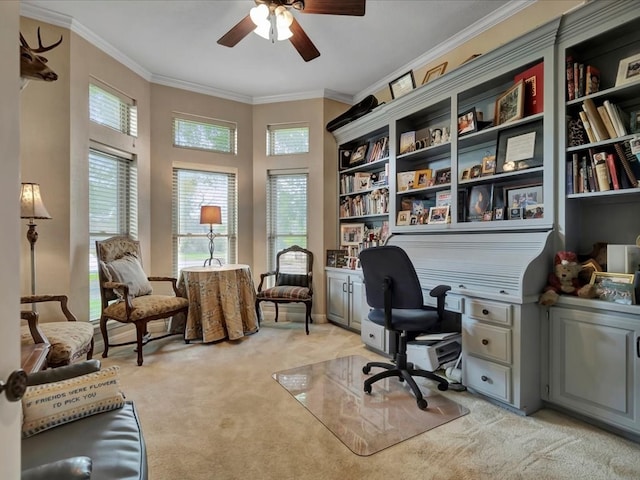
x: 32, y: 208
x: 211, y: 215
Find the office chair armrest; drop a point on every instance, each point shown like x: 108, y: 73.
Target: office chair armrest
x: 124, y: 288
x: 263, y: 276
x: 62, y: 299
x: 34, y: 327
x: 440, y: 291
x: 174, y: 282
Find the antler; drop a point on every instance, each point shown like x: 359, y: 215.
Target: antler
x: 41, y: 48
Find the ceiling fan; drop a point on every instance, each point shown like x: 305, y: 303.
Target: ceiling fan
x: 272, y: 19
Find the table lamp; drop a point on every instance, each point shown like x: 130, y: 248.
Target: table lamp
x: 31, y: 208
x: 211, y: 215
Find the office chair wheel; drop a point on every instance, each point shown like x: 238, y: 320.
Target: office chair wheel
x: 443, y: 387
x: 366, y: 369
x: 367, y: 389
x: 422, y: 404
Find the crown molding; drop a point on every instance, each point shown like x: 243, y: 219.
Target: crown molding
x: 489, y: 21
x: 199, y: 88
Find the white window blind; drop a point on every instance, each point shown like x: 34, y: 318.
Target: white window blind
x: 204, y: 134
x: 113, y: 208
x: 285, y: 139
x: 113, y: 109
x: 286, y: 211
x: 191, y: 190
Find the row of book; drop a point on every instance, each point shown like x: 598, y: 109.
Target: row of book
x: 603, y: 122
x: 581, y: 79
x: 371, y: 203
x: 603, y: 169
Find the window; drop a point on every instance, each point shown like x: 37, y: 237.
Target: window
x: 113, y: 109
x: 191, y: 190
x: 286, y: 212
x: 285, y: 139
x: 113, y: 208
x: 204, y: 134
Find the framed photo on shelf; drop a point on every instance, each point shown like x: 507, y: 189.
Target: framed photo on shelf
x: 628, y: 70
x: 434, y: 73
x: 510, y: 105
x: 345, y: 158
x: 488, y: 165
x: 498, y: 213
x: 466, y: 174
x: 407, y: 141
x: 402, y: 85
x: 438, y: 215
x: 524, y: 196
x: 475, y: 171
x: 351, y: 233
x: 359, y: 154
x: 515, y: 213
x: 519, y: 148
x: 336, y: 258
x: 404, y: 217
x: 406, y: 180
x: 468, y: 122
x: 443, y: 176
x: 480, y: 202
x: 423, y: 178
x: 614, y: 287
x: 440, y: 135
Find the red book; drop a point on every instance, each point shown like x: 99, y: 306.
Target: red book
x: 612, y: 171
x: 533, y: 88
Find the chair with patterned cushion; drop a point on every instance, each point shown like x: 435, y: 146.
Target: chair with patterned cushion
x: 70, y: 340
x: 127, y: 295
x: 293, y: 281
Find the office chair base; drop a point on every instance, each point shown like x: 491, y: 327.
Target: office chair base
x: 403, y: 374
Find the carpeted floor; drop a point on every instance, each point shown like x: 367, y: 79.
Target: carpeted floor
x: 215, y: 412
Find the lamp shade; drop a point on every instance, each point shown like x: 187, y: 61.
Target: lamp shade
x: 31, y: 205
x: 210, y: 214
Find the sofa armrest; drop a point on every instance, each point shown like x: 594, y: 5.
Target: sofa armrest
x: 75, y: 468
x: 63, y: 373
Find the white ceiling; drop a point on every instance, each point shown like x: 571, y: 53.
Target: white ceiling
x: 174, y: 43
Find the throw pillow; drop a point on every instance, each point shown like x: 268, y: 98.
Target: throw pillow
x: 51, y: 404
x: 128, y: 269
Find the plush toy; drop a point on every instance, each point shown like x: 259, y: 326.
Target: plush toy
x: 565, y: 279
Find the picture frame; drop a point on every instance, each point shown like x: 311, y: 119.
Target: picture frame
x: 439, y: 215
x: 358, y: 155
x: 345, y: 158
x: 402, y: 85
x: 488, y: 165
x: 480, y: 201
x: 434, y: 72
x: 404, y: 217
x: 351, y: 233
x: 443, y: 176
x: 466, y: 174
x: 423, y: 178
x: 475, y: 171
x: 524, y: 196
x: 534, y: 211
x: 407, y: 142
x: 468, y: 122
x: 628, y: 70
x: 498, y: 213
x: 440, y: 135
x: 336, y: 258
x: 614, y: 287
x: 519, y: 147
x: 515, y: 213
x: 405, y: 180
x: 510, y: 105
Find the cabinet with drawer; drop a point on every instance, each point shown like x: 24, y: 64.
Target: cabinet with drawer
x: 501, y: 352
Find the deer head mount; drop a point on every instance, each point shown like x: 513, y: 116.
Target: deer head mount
x: 34, y: 66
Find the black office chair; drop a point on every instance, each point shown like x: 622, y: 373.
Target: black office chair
x: 395, y: 296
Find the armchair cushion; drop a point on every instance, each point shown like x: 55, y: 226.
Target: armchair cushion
x: 69, y: 340
x: 299, y: 280
x: 75, y: 468
x: 48, y: 405
x: 145, y: 306
x: 290, y: 293
x: 128, y: 269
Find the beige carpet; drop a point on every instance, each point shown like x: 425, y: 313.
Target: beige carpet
x: 333, y: 392
x: 214, y: 412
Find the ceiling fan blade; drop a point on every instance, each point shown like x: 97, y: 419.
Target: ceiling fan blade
x: 243, y: 28
x: 302, y: 42
x: 335, y: 7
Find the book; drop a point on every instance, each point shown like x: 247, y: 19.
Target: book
x: 569, y: 177
x: 533, y: 79
x: 581, y: 80
x: 602, y: 175
x: 614, y: 114
x: 608, y: 124
x: 626, y: 164
x: 594, y: 119
x: 592, y: 80
x: 576, y: 167
x: 586, y: 124
x: 570, y: 82
x: 613, y: 173
x: 576, y: 80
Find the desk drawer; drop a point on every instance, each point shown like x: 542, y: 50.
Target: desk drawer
x: 489, y: 311
x: 487, y: 341
x: 372, y: 335
x: 488, y: 378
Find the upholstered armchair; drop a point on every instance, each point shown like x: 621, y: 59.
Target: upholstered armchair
x: 70, y: 340
x: 127, y: 295
x: 293, y: 281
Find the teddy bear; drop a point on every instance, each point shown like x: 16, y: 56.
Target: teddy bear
x: 565, y: 279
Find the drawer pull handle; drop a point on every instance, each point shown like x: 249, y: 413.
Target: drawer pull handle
x: 461, y: 286
x: 485, y: 311
x: 485, y: 341
x: 484, y: 378
x: 504, y: 292
x: 371, y: 335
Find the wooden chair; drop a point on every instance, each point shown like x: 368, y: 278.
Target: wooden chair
x: 293, y: 281
x: 70, y: 340
x: 126, y: 293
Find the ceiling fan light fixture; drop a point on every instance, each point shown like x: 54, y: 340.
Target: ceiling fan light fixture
x: 263, y: 30
x: 259, y: 15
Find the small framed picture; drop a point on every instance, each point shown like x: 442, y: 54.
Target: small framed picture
x: 351, y: 233
x: 402, y: 85
x: 519, y: 147
x: 438, y: 214
x: 413, y: 220
x: 407, y: 142
x: 440, y: 135
x: 475, y: 171
x: 489, y: 165
x: 628, y: 70
x: 358, y: 155
x: 498, y: 213
x: 404, y: 217
x: 336, y: 258
x: 443, y: 176
x: 345, y: 158
x: 480, y: 202
x: 435, y: 72
x: 510, y: 105
x: 466, y: 174
x: 614, y: 287
x: 515, y: 213
x: 467, y: 122
x: 487, y: 216
x: 534, y: 211
x: 524, y: 197
x: 422, y: 178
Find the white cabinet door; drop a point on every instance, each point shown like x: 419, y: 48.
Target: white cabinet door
x: 338, y: 297
x: 358, y: 302
x: 595, y: 366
